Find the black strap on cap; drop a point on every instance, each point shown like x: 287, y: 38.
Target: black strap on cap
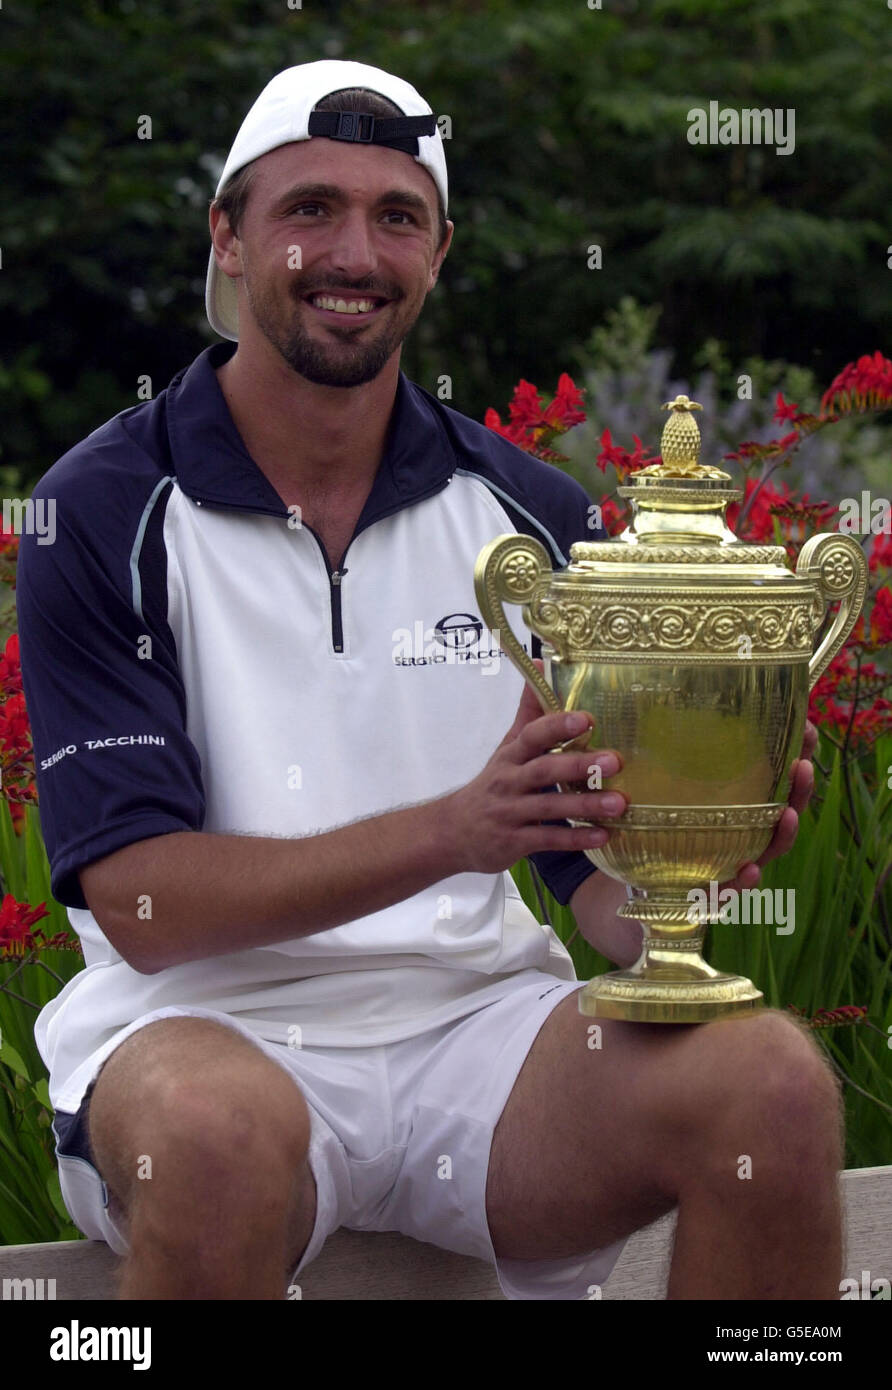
x: 397, y: 132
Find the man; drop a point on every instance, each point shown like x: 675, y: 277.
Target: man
x: 283, y: 828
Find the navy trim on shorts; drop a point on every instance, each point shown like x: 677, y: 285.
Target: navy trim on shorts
x: 72, y: 1134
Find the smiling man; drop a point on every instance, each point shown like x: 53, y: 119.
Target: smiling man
x: 314, y: 997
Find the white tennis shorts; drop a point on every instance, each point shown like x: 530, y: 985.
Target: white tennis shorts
x: 382, y: 1118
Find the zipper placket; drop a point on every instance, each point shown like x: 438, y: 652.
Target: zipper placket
x: 334, y: 584
x: 337, y: 626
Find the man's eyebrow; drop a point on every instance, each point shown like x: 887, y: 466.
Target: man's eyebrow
x: 306, y: 192
x: 408, y: 198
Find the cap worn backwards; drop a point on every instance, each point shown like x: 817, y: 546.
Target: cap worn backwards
x: 284, y: 113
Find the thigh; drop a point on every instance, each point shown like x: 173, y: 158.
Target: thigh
x: 606, y: 1118
x: 210, y: 1097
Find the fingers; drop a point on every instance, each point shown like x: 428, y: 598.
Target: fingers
x: 563, y: 839
x: 809, y: 740
x: 802, y: 785
x: 587, y: 769
x: 784, y: 837
x: 541, y: 733
x: 580, y: 806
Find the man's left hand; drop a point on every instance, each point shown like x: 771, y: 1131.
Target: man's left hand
x: 801, y: 787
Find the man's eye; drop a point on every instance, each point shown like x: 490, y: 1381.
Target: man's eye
x: 305, y: 207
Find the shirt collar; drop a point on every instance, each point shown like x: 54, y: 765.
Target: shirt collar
x: 212, y: 465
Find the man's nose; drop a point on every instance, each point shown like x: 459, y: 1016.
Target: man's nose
x: 353, y: 245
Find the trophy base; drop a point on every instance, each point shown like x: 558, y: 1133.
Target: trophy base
x: 669, y: 986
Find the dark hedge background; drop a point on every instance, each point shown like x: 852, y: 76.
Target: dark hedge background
x: 569, y: 127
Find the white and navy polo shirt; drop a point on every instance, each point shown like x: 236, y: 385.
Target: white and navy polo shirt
x: 191, y: 662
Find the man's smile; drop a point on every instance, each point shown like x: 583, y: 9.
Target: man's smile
x: 349, y: 305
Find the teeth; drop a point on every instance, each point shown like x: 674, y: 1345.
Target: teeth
x: 343, y: 306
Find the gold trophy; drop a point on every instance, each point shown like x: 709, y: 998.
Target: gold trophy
x: 694, y: 653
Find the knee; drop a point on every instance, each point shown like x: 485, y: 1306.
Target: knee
x: 770, y: 1088
x: 232, y: 1138
x: 789, y: 1071
x: 237, y: 1126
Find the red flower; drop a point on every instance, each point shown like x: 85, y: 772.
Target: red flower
x: 829, y: 1018
x: 516, y: 433
x: 532, y: 426
x: 783, y: 411
x: 753, y: 449
x: 610, y: 453
x: 620, y: 458
x: 10, y: 668
x: 526, y: 404
x: 9, y: 542
x: 881, y: 552
x: 879, y: 633
x: 16, y: 919
x: 613, y: 517
x: 759, y: 525
x: 861, y: 385
x: 14, y: 726
x: 839, y: 681
x: 566, y: 408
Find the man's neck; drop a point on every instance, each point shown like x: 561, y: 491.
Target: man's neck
x: 316, y: 441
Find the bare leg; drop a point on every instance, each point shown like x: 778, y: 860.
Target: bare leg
x: 737, y: 1123
x: 202, y: 1140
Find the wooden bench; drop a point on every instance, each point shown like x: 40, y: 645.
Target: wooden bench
x: 354, y: 1265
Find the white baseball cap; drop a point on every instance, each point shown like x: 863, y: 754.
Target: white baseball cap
x: 282, y: 113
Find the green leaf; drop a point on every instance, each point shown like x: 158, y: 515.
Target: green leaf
x: 42, y: 1092
x: 11, y: 1059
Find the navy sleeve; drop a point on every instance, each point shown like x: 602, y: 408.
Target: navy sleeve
x: 102, y: 685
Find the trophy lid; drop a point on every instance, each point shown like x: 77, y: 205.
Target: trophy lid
x: 678, y: 508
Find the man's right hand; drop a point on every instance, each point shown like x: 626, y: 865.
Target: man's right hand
x: 497, y: 818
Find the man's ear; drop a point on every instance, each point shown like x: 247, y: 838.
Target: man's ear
x: 440, y: 257
x: 227, y: 247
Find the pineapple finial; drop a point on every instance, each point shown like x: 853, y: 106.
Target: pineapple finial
x: 680, y: 442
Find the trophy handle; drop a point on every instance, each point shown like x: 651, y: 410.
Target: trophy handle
x: 836, y: 564
x: 509, y: 568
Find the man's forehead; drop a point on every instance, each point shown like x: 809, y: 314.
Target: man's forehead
x: 347, y: 165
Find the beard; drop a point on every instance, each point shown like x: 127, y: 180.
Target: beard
x: 346, y: 362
